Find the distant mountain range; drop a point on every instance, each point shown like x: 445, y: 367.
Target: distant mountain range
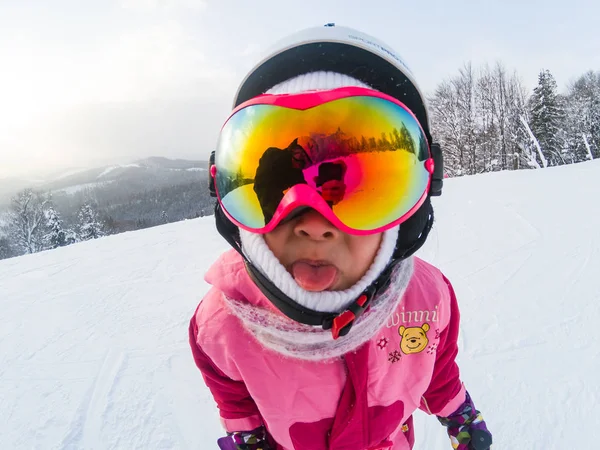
x: 141, y: 175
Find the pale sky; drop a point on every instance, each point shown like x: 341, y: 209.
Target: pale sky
x: 97, y: 82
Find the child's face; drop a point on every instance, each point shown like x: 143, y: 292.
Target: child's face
x: 318, y: 255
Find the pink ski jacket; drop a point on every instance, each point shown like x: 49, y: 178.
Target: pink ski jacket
x: 361, y: 401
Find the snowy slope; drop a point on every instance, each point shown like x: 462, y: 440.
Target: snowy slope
x: 93, y: 341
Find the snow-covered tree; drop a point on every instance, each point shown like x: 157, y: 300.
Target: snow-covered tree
x: 508, y: 104
x: 476, y: 118
x: 55, y: 236
x: 532, y: 149
x: 547, y: 119
x: 110, y: 225
x: 27, y: 220
x: 6, y: 248
x: 164, y: 218
x: 71, y: 236
x: 89, y: 225
x: 453, y: 121
x: 583, y: 116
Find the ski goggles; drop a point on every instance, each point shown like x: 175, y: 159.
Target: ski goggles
x: 357, y: 156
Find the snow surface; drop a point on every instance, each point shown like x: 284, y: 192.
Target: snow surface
x: 93, y: 341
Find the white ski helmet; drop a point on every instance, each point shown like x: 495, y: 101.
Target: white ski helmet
x: 336, y: 49
x: 362, y: 57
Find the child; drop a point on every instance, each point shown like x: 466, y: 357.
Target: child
x: 322, y: 331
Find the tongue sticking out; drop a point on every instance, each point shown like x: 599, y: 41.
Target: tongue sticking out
x: 313, y: 277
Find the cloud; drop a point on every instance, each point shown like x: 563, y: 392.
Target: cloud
x: 251, y: 49
x: 104, y: 133
x: 146, y: 91
x: 163, y: 5
x: 154, y: 61
x: 160, y: 60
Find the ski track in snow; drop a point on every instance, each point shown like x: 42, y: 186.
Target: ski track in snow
x: 98, y: 403
x: 94, y: 353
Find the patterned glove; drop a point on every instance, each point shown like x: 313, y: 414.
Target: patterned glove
x: 245, y: 440
x: 466, y: 428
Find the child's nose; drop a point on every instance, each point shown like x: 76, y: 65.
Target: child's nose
x: 313, y: 225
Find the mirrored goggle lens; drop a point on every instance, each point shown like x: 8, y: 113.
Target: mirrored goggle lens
x: 364, y: 155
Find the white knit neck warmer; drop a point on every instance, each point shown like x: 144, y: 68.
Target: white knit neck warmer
x: 256, y: 250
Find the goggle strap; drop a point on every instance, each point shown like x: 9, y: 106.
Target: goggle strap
x: 403, y: 253
x: 437, y: 178
x: 211, y: 179
x: 227, y: 229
